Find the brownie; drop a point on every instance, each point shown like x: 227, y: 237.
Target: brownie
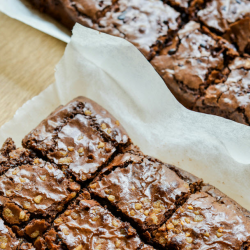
x: 32, y: 195
x: 145, y: 191
x: 229, y: 18
x: 148, y: 24
x: 88, y: 225
x: 69, y: 12
x: 230, y: 98
x: 192, y: 62
x: 208, y: 220
x: 11, y: 157
x: 80, y: 137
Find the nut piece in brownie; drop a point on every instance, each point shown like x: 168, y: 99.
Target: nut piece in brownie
x: 148, y: 24
x: 32, y: 195
x: 11, y: 157
x: 230, y: 98
x: 187, y: 63
x: 80, y: 137
x: 231, y: 18
x: 144, y: 191
x: 208, y: 220
x: 68, y: 12
x: 88, y: 225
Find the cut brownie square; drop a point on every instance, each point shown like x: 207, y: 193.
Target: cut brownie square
x: 32, y: 195
x: 69, y: 12
x: 230, y: 98
x: 148, y: 24
x: 208, y: 220
x: 145, y: 191
x: 11, y: 157
x: 230, y: 18
x: 80, y: 137
x: 87, y: 225
x: 187, y: 63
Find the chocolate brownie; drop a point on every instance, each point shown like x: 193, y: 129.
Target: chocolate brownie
x: 192, y: 62
x: 32, y: 195
x: 148, y: 24
x: 80, y: 137
x: 69, y: 12
x: 229, y: 18
x: 87, y: 225
x: 144, y: 190
x: 230, y: 98
x: 208, y: 220
x: 11, y: 157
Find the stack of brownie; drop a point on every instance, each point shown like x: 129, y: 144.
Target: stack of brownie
x: 79, y: 183
x: 201, y: 48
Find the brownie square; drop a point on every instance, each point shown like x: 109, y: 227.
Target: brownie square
x: 230, y: 98
x: 145, y: 191
x: 148, y: 24
x: 87, y: 225
x: 69, y: 12
x: 11, y: 157
x: 80, y: 137
x: 32, y: 195
x: 229, y: 18
x: 186, y: 64
x: 208, y: 220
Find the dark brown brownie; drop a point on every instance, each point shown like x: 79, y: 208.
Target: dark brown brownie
x: 80, y: 137
x: 230, y: 18
x: 192, y: 62
x: 32, y: 195
x: 11, y: 157
x: 69, y: 12
x: 144, y: 190
x: 87, y: 225
x: 148, y: 24
x: 9, y: 241
x: 208, y: 220
x: 230, y: 98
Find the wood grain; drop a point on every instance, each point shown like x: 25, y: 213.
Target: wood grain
x: 27, y: 61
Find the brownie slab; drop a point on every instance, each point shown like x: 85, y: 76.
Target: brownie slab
x: 11, y: 157
x: 208, y: 220
x: 80, y: 137
x: 87, y: 225
x: 145, y: 191
x: 187, y: 65
x: 32, y: 195
x: 230, y: 98
x: 148, y: 24
x: 229, y: 18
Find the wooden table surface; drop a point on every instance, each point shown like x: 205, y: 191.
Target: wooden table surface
x: 27, y: 61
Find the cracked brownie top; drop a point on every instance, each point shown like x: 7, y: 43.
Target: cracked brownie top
x: 80, y: 137
x: 31, y: 193
x: 87, y: 225
x: 145, y: 190
x: 146, y: 24
x: 186, y: 64
x: 208, y: 220
x: 231, y: 96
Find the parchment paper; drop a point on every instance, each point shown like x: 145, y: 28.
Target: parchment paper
x: 24, y: 12
x: 114, y: 73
